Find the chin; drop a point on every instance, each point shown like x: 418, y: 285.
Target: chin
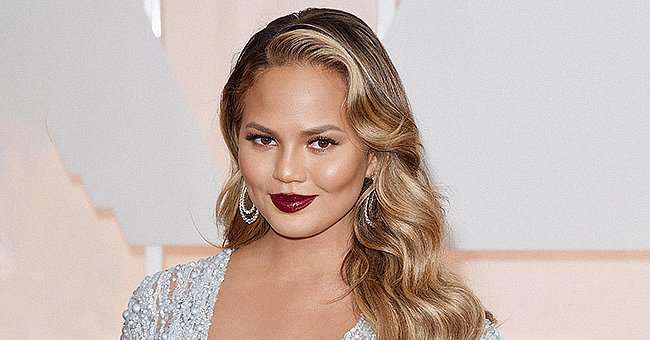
x: 297, y: 231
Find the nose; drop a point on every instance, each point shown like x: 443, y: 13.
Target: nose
x: 289, y: 165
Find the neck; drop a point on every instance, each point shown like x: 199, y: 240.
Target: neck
x: 316, y: 257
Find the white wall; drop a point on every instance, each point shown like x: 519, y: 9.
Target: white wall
x: 536, y: 118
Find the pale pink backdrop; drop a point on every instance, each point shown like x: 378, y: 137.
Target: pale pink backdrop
x: 66, y: 271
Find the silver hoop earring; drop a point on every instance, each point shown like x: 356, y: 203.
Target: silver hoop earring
x: 246, y: 213
x: 369, y: 200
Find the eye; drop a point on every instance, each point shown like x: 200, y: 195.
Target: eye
x: 322, y: 143
x: 263, y: 139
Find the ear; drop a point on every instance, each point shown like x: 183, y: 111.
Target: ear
x: 371, y: 169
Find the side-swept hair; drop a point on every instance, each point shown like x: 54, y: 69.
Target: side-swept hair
x: 394, y: 271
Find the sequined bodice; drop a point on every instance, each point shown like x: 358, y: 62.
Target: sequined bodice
x: 178, y: 303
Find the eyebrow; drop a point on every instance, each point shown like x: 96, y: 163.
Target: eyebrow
x: 311, y: 131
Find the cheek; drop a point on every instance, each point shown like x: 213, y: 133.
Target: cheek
x: 252, y: 168
x: 339, y: 173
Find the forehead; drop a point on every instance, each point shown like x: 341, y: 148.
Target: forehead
x: 296, y: 96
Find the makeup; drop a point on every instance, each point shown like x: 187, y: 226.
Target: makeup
x: 291, y: 202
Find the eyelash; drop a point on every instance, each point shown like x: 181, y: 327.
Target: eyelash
x: 253, y: 136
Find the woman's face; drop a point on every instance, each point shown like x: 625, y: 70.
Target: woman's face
x: 294, y: 138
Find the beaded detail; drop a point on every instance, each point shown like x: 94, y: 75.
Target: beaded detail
x: 489, y: 332
x: 178, y: 303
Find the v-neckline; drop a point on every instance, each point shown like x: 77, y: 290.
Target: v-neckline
x: 226, y: 261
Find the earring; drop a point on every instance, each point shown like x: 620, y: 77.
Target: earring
x: 369, y: 201
x: 245, y: 213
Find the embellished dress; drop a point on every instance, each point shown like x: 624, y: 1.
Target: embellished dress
x: 177, y: 303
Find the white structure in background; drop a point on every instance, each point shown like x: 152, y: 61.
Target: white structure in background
x: 535, y: 116
x: 385, y: 14
x: 153, y: 254
x: 119, y: 121
x: 152, y: 10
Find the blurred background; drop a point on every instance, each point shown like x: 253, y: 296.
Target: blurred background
x: 535, y: 118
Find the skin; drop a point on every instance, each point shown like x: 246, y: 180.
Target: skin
x: 296, y: 264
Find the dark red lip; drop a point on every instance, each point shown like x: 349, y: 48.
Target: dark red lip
x: 291, y: 203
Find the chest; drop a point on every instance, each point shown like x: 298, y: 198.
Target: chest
x: 249, y: 309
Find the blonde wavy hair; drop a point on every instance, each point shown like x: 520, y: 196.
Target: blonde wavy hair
x: 394, y: 270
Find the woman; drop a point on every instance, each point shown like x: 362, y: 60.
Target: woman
x: 333, y: 227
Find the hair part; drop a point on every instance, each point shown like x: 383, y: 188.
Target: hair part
x: 394, y: 271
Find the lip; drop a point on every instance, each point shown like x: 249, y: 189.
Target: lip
x: 290, y: 202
